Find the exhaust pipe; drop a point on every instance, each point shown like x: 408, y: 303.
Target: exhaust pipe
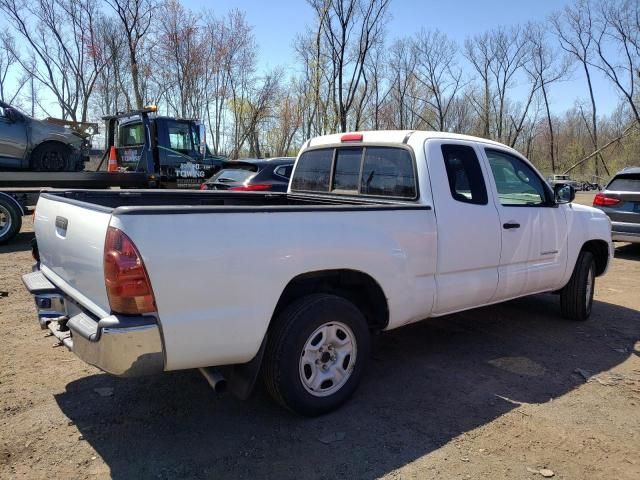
x: 215, y: 379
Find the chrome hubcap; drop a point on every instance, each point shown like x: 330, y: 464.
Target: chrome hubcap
x: 5, y: 220
x: 328, y: 359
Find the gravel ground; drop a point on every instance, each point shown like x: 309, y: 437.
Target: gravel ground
x: 511, y: 391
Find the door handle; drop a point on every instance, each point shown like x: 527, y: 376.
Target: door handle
x: 510, y: 225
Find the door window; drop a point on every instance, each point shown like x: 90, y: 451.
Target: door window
x: 464, y: 174
x: 131, y: 135
x: 180, y: 137
x: 517, y: 183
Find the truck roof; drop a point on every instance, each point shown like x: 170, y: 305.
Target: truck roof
x: 397, y: 136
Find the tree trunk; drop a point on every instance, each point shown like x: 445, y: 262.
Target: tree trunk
x: 551, y: 138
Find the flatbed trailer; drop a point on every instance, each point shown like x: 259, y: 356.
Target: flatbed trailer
x: 19, y: 191
x: 151, y: 152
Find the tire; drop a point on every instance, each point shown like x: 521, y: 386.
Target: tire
x: 52, y: 157
x: 576, y: 298
x: 10, y: 220
x: 319, y: 327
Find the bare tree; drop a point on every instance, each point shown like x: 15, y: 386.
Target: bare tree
x: 64, y: 50
x: 350, y: 28
x: 509, y: 49
x: 401, y: 70
x: 438, y: 72
x: 546, y: 66
x: 7, y: 62
x: 617, y: 27
x: 135, y: 18
x: 574, y: 28
x: 479, y: 51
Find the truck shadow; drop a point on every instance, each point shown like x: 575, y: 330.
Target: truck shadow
x: 426, y: 384
x: 629, y: 251
x: 21, y: 242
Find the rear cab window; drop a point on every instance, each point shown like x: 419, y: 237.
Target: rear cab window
x: 377, y: 171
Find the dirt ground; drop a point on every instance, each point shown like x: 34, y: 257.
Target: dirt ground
x: 502, y: 392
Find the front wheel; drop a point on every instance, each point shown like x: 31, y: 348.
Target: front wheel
x: 576, y: 298
x: 52, y: 157
x: 316, y: 354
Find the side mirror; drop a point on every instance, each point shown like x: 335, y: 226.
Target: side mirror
x: 564, y: 193
x: 11, y: 114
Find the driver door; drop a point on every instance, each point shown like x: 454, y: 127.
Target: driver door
x: 533, y: 255
x: 13, y: 141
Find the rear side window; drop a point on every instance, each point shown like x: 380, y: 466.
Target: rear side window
x: 625, y: 183
x: 284, y: 171
x: 388, y: 171
x: 464, y: 174
x: 313, y: 171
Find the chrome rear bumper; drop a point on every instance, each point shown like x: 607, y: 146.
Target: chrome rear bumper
x: 125, y: 346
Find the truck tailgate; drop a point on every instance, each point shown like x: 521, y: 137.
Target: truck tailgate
x: 71, y: 244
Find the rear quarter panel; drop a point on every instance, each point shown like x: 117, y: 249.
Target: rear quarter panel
x: 217, y: 277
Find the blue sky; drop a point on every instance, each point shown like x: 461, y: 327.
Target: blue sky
x: 276, y: 24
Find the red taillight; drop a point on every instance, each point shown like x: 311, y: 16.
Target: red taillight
x: 128, y: 286
x: 252, y: 188
x: 351, y: 137
x: 603, y: 201
x: 203, y: 186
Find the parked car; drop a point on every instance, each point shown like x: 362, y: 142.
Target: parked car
x: 39, y: 145
x: 563, y: 180
x: 620, y: 200
x: 293, y: 285
x: 270, y: 174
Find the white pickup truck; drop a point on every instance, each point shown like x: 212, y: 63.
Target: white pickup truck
x: 377, y: 230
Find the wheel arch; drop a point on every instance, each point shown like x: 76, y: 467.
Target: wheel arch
x: 600, y: 251
x: 48, y: 143
x: 356, y: 286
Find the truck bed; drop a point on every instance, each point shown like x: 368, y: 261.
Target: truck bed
x: 219, y: 261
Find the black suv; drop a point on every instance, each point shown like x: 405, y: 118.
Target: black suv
x: 270, y: 174
x: 620, y: 200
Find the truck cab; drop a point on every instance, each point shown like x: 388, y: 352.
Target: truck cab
x: 178, y: 154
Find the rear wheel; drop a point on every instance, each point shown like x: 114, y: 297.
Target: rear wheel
x: 10, y: 220
x: 316, y: 354
x: 52, y: 157
x: 576, y: 298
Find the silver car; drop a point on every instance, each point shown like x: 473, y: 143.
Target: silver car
x: 39, y: 145
x: 620, y: 200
